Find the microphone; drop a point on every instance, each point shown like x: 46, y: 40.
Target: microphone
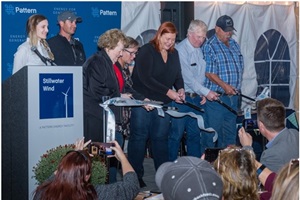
x: 36, y: 51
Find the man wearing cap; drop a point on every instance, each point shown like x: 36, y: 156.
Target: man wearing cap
x: 224, y: 70
x: 193, y: 73
x: 67, y: 50
x: 189, y: 178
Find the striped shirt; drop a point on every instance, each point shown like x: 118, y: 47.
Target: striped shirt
x: 226, y: 62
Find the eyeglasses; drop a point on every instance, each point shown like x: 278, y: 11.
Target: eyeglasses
x: 293, y: 162
x: 131, y: 52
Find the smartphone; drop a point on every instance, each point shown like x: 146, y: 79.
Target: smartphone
x: 211, y: 154
x: 250, y: 124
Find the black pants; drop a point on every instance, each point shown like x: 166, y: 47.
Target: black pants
x: 93, y: 128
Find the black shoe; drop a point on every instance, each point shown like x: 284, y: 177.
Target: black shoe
x: 142, y: 183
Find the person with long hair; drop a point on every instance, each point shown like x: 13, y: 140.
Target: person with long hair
x: 157, y: 71
x: 237, y: 169
x: 286, y: 185
x: 71, y: 180
x: 36, y: 30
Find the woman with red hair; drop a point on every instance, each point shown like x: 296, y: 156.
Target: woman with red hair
x: 71, y: 179
x: 157, y: 71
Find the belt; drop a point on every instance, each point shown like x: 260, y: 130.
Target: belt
x: 192, y: 95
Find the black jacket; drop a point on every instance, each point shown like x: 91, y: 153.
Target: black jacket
x: 99, y: 80
x: 63, y: 52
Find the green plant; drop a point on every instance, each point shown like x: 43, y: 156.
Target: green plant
x: 50, y: 160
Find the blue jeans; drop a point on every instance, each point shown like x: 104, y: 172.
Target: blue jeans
x: 185, y: 124
x: 222, y: 120
x: 113, y: 168
x: 146, y: 125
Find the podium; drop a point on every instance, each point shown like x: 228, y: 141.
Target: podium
x: 42, y: 108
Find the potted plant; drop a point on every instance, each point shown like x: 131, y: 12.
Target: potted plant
x: 50, y: 160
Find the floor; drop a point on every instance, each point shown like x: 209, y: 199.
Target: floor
x: 149, y: 176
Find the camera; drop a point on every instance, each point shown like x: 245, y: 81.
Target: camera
x: 250, y: 124
x: 99, y: 148
x: 211, y: 154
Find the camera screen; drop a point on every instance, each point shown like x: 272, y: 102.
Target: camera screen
x: 250, y: 124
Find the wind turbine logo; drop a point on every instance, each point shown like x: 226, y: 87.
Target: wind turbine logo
x: 66, y: 101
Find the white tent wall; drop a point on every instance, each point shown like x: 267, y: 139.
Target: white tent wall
x: 251, y: 19
x: 139, y: 16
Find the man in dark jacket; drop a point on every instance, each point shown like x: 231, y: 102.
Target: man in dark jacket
x: 67, y: 50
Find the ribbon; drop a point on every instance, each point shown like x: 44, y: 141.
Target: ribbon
x: 199, y: 118
x: 119, y: 101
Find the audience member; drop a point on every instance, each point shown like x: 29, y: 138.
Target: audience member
x: 237, y: 169
x: 157, y: 70
x: 67, y: 50
x: 193, y: 73
x: 283, y: 143
x: 189, y: 178
x: 36, y: 30
x: 286, y: 185
x: 71, y: 180
x: 224, y: 70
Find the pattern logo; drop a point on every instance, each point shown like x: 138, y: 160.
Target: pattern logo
x: 9, y: 9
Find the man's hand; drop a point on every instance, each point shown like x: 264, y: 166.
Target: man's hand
x: 245, y: 138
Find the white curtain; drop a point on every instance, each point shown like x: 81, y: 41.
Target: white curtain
x: 138, y: 17
x: 252, y: 20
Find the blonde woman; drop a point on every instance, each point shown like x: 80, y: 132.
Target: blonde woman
x: 27, y: 52
x: 286, y: 185
x: 237, y: 169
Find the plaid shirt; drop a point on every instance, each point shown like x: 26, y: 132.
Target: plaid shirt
x: 226, y: 62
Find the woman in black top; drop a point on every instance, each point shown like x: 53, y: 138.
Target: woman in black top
x: 157, y: 70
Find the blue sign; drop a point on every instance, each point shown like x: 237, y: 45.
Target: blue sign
x: 56, y: 96
x: 97, y: 18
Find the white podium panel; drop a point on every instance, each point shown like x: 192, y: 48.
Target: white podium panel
x: 44, y: 109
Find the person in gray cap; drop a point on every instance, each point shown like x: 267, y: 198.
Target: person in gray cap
x: 189, y: 178
x: 67, y: 50
x: 224, y: 71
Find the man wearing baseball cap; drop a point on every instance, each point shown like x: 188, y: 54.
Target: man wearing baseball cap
x: 189, y: 178
x: 224, y: 70
x: 67, y: 50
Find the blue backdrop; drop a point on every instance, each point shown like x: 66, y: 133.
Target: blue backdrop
x: 97, y: 18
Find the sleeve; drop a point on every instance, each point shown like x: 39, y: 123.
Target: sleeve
x: 268, y: 187
x: 122, y: 190
x: 145, y: 67
x: 179, y: 83
x: 210, y: 59
x: 20, y: 59
x: 271, y: 160
x: 96, y: 76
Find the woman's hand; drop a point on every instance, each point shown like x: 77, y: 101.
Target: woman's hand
x: 119, y: 154
x: 80, y: 145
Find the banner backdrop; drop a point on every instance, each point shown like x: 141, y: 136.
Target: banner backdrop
x: 140, y: 20
x: 267, y: 36
x: 97, y: 18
